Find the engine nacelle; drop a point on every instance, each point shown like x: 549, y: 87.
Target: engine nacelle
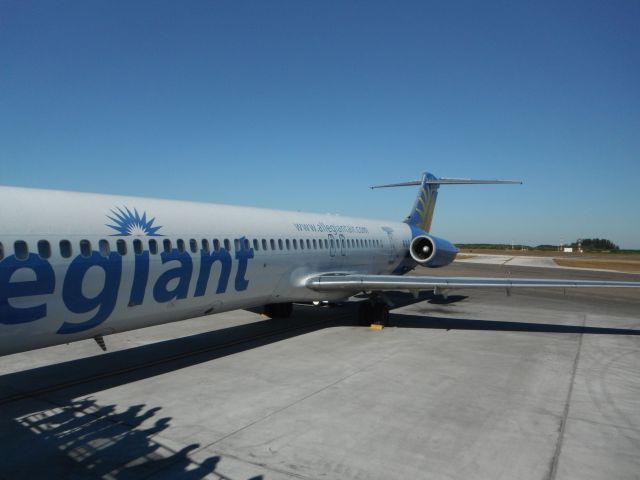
x: 430, y: 251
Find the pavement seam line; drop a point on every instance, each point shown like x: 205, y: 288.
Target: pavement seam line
x: 269, y: 415
x: 218, y: 452
x: 565, y: 416
x: 302, y: 399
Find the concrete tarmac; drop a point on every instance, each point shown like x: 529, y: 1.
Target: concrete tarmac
x: 541, y: 384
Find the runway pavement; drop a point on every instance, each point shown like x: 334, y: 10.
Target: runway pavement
x: 536, y: 385
x: 517, y: 260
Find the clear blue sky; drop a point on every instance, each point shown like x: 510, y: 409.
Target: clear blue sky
x: 303, y: 105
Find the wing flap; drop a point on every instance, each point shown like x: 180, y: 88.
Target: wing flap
x: 357, y: 283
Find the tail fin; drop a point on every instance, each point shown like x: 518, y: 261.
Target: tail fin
x: 421, y: 214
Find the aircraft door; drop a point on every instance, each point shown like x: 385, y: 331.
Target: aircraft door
x: 332, y: 245
x: 391, y: 248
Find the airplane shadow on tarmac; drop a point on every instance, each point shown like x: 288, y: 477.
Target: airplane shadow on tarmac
x: 50, y: 426
x: 84, y: 376
x: 404, y: 320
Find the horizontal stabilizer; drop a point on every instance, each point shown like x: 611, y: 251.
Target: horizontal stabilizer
x: 421, y: 214
x: 451, y: 181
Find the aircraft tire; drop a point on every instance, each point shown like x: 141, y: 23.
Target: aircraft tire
x: 286, y: 309
x: 278, y: 310
x: 365, y: 313
x: 381, y: 314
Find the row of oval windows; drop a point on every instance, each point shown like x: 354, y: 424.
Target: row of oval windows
x: 21, y: 249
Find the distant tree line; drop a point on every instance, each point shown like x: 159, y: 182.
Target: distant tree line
x: 587, y: 245
x: 595, y: 244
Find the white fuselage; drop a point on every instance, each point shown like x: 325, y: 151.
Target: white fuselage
x: 77, y: 265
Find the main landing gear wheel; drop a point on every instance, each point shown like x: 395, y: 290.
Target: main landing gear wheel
x: 373, y: 313
x: 278, y: 310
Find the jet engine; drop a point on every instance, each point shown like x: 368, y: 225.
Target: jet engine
x: 430, y: 251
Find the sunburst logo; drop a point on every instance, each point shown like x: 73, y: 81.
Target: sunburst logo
x: 128, y: 223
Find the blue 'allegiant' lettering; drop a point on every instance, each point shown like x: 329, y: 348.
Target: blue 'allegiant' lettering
x: 140, y: 278
x: 242, y: 255
x: 161, y: 292
x: 206, y: 262
x: 43, y: 284
x: 105, y: 301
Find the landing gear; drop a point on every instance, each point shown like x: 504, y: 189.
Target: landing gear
x: 278, y: 310
x: 373, y: 312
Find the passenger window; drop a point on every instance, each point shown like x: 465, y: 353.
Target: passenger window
x: 272, y: 242
x: 216, y: 245
x: 301, y: 244
x: 44, y: 249
x: 288, y: 243
x: 1, y: 251
x: 137, y: 246
x: 205, y: 244
x: 103, y: 246
x: 315, y: 244
x: 280, y: 243
x: 236, y: 244
x: 21, y: 250
x: 85, y: 248
x: 264, y: 244
x: 332, y: 244
x: 227, y: 245
x: 166, y: 244
x: 255, y: 245
x: 247, y: 245
x: 193, y: 245
x: 180, y: 244
x: 121, y: 246
x: 153, y: 247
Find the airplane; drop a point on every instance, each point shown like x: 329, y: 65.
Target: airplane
x: 77, y: 266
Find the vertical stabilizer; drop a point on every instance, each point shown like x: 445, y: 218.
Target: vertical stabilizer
x: 422, y: 212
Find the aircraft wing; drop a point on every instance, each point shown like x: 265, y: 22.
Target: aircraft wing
x: 357, y: 283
